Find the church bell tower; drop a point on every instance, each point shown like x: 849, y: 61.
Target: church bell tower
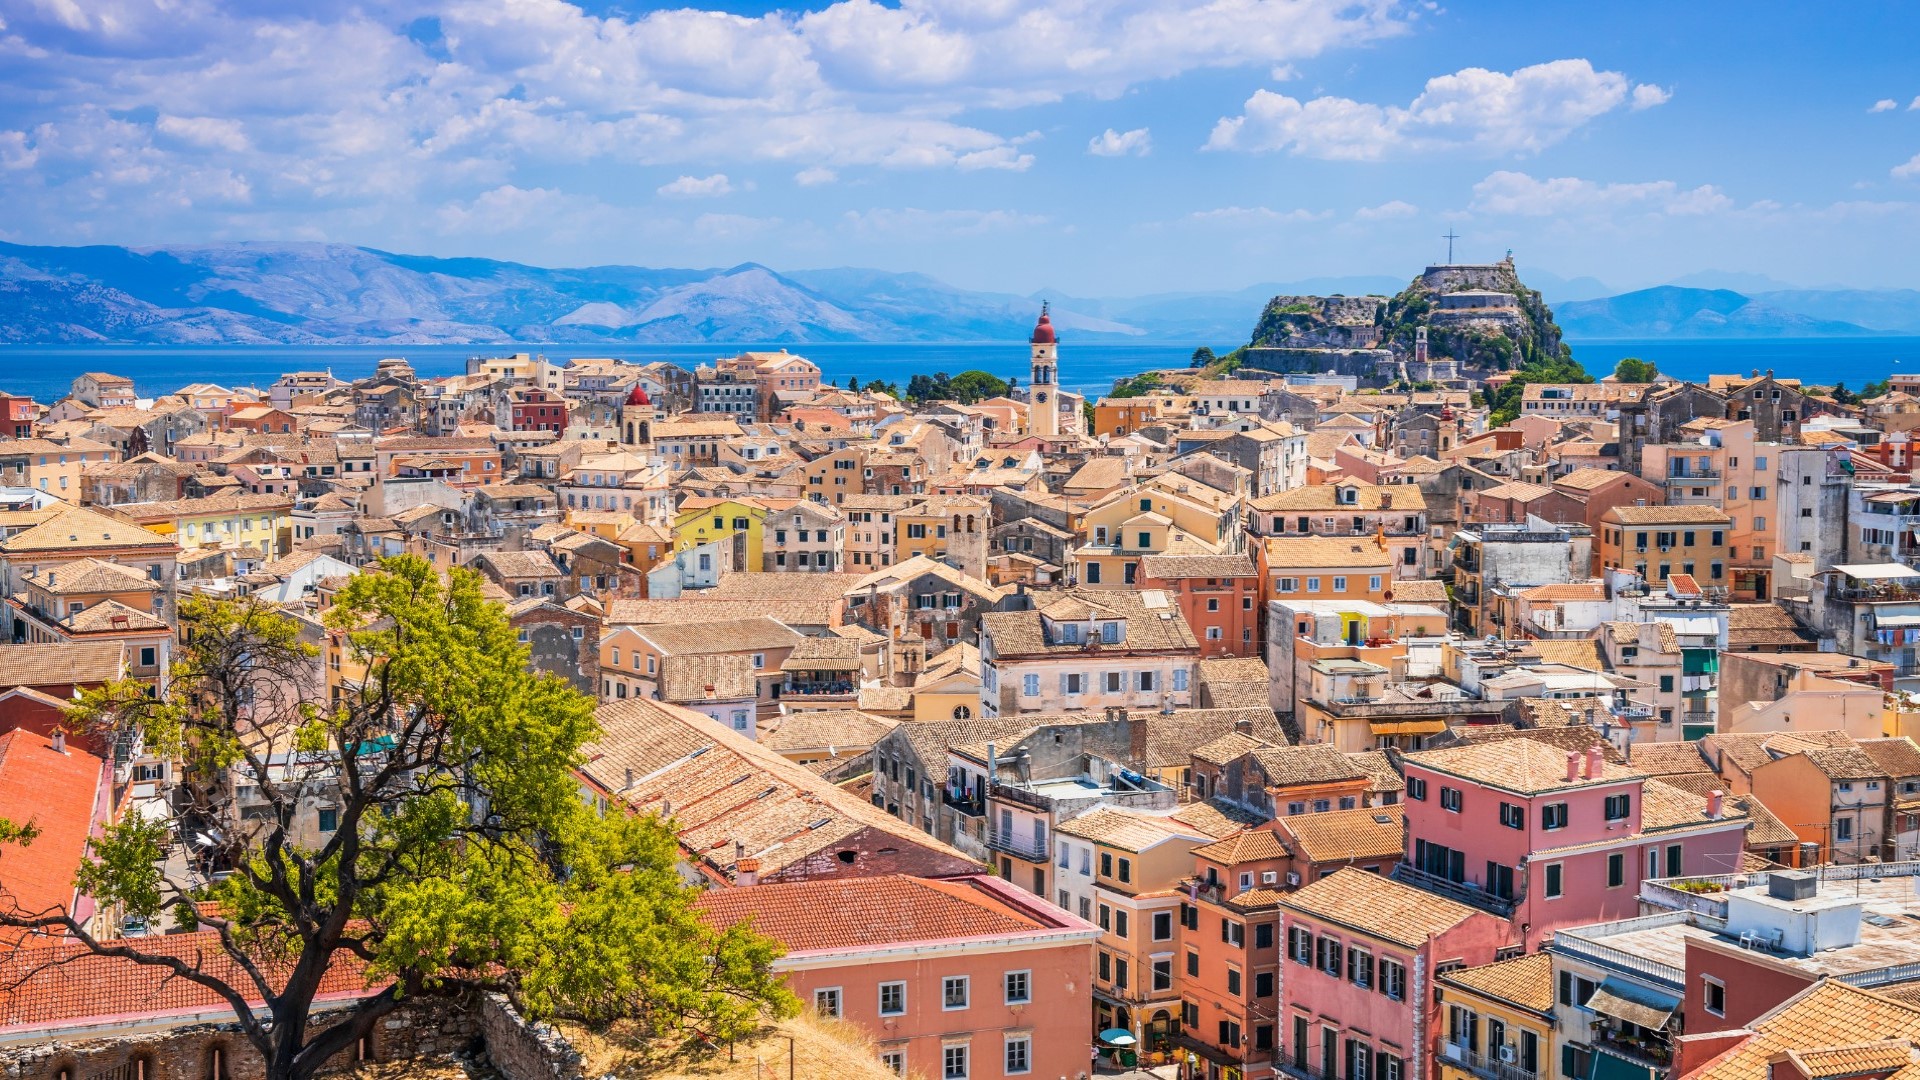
x: 1043, y: 391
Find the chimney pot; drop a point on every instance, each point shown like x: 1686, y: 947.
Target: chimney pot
x: 747, y: 872
x: 1716, y: 802
x: 59, y: 740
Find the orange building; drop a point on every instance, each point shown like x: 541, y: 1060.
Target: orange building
x: 1218, y: 594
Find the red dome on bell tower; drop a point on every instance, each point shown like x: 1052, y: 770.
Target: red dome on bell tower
x: 1042, y: 330
x: 638, y: 396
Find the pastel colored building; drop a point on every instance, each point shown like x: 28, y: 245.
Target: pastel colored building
x: 1499, y: 1020
x: 1218, y: 594
x: 1325, y: 568
x: 1361, y: 951
x: 740, y: 523
x: 1550, y: 838
x: 962, y: 978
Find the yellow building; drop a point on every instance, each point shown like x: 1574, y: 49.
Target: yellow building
x: 1496, y: 1020
x: 261, y: 522
x: 740, y: 522
x: 1148, y: 520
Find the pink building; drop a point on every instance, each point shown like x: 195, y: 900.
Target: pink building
x: 1550, y: 838
x: 960, y: 978
x: 1356, y: 993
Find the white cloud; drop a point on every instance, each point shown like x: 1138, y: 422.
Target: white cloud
x: 1885, y: 104
x: 698, y: 187
x: 1111, y: 143
x: 205, y: 131
x: 1647, y: 95
x: 1386, y: 211
x: 14, y: 151
x: 815, y: 176
x: 1909, y: 169
x: 1477, y: 110
x: 503, y: 209
x: 915, y: 222
x: 1913, y: 105
x: 1257, y: 215
x: 1518, y: 194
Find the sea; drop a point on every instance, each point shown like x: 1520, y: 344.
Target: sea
x: 1091, y: 367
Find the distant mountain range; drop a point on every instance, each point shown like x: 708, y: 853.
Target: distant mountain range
x: 310, y: 293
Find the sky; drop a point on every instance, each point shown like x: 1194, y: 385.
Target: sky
x: 1092, y: 147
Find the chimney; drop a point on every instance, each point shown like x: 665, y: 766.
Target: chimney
x: 993, y: 765
x: 1716, y: 802
x: 1596, y: 763
x: 1573, y: 766
x: 1136, y: 740
x: 1243, y: 726
x: 1386, y: 500
x: 746, y: 872
x: 59, y: 740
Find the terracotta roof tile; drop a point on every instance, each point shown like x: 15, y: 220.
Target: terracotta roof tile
x: 1252, y: 845
x: 80, y: 663
x: 57, y: 792
x: 846, y: 914
x: 1524, y: 981
x: 1348, y: 835
x: 1378, y: 906
x: 1128, y: 830
x: 1829, y: 1013
x: 1522, y: 766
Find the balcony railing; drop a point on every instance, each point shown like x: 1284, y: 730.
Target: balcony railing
x: 1024, y: 845
x: 1489, y: 1067
x: 1675, y: 476
x: 974, y: 805
x: 1465, y: 893
x: 1651, y: 1052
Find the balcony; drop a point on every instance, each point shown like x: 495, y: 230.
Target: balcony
x: 971, y: 804
x: 1020, y: 845
x: 1488, y: 1067
x: 1693, y: 475
x: 1650, y: 1051
x: 1464, y: 892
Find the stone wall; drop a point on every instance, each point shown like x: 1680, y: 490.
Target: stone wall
x: 1359, y: 363
x: 425, y: 1028
x: 520, y: 1050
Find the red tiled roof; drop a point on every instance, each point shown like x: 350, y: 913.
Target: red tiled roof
x: 859, y: 913
x: 59, y: 984
x: 57, y: 793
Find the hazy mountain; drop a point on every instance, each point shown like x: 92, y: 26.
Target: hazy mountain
x: 1892, y: 311
x: 1736, y: 280
x: 1555, y: 289
x: 308, y: 293
x: 1671, y: 311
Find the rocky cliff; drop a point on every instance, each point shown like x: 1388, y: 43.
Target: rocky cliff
x: 1482, y: 316
x: 1319, y: 322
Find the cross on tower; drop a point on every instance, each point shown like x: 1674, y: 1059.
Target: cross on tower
x: 1450, y: 238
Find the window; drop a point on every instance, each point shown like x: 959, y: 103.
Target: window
x: 1019, y: 1054
x: 1126, y: 875
x: 1232, y: 933
x: 1299, y: 945
x: 1288, y: 585
x: 1163, y: 926
x: 1019, y: 986
x: 1120, y: 920
x: 148, y: 657
x: 1618, y: 807
x: 1513, y: 815
x: 1417, y: 788
x: 1393, y: 979
x: 893, y: 999
x: 1193, y: 964
x: 1147, y: 682
x: 1553, y: 816
x: 1030, y: 685
x: 894, y: 1061
x: 1714, y: 995
x: 1553, y: 881
x: 953, y: 1062
x: 1313, y: 584
x: 1842, y: 830
x: 1163, y: 974
x: 1116, y: 682
x: 1339, y: 584
x: 1449, y: 798
x: 1263, y: 935
x: 1106, y: 864
x: 953, y: 992
x: 826, y: 1001
x: 329, y: 820
x: 1616, y: 870
x: 1360, y: 968
x: 1233, y: 981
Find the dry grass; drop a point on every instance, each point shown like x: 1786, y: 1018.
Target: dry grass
x: 821, y: 1050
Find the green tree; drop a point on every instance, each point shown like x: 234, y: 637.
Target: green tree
x: 880, y: 386
x: 1202, y: 356
x: 971, y: 386
x: 1876, y: 389
x: 1504, y: 404
x: 1843, y: 396
x: 1632, y: 369
x: 1138, y: 386
x: 462, y: 855
x: 853, y: 382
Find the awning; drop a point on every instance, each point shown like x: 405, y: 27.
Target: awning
x: 1897, y: 620
x: 1408, y: 727
x: 1623, y: 1000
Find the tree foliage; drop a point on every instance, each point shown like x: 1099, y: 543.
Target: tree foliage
x: 1203, y: 356
x: 1632, y: 369
x: 463, y: 856
x: 1137, y: 386
x: 966, y: 388
x: 1504, y: 403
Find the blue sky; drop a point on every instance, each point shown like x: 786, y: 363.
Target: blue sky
x: 1095, y: 147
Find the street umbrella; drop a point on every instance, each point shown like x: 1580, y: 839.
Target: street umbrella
x: 1118, y: 1037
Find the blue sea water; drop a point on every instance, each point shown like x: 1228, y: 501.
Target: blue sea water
x: 1091, y: 367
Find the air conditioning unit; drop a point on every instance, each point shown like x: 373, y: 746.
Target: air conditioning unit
x: 1269, y: 877
x: 1450, y: 1051
x: 1506, y: 1053
x: 1293, y: 879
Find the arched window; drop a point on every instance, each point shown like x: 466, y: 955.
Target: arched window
x: 961, y: 712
